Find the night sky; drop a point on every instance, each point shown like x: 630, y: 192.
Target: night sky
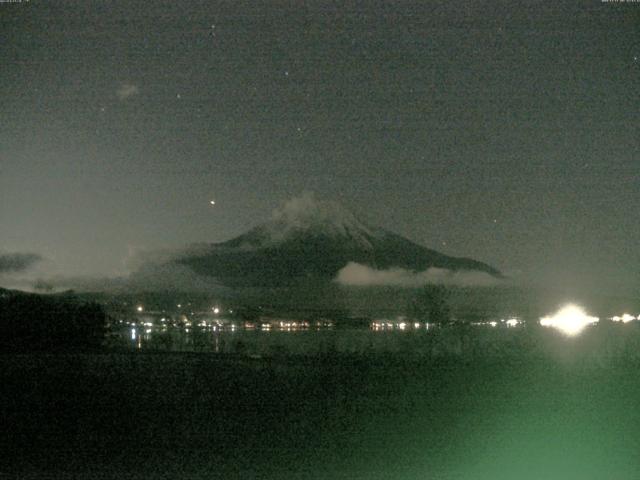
x: 500, y: 131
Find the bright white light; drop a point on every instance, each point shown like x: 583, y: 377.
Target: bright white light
x: 512, y: 322
x: 570, y: 320
x: 625, y: 318
x: 493, y: 324
x: 212, y: 202
x: 216, y: 310
x: 139, y: 308
x: 402, y: 325
x: 133, y: 334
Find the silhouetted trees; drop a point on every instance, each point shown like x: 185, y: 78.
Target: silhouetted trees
x: 431, y: 305
x: 50, y: 323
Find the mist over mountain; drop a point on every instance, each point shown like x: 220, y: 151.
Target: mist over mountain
x: 310, y: 239
x: 17, y: 262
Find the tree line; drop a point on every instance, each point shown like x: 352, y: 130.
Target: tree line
x: 50, y: 323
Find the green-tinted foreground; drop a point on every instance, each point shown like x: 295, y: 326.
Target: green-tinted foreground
x: 183, y: 416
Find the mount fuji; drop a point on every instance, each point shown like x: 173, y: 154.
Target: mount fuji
x: 309, y: 239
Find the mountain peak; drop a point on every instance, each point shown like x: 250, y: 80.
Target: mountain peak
x: 307, y: 213
x: 304, y: 217
x: 310, y: 238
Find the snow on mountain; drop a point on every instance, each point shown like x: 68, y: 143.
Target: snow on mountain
x: 305, y: 215
x: 312, y: 239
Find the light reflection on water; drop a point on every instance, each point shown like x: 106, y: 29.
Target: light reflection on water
x: 493, y: 337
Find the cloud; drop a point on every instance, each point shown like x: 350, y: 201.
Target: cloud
x: 59, y: 283
x: 306, y: 209
x: 355, y: 274
x: 151, y: 278
x: 306, y: 212
x: 127, y: 90
x: 150, y: 271
x: 140, y: 258
x: 172, y: 277
x: 17, y: 262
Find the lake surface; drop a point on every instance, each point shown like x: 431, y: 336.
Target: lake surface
x: 203, y: 416
x: 474, y: 402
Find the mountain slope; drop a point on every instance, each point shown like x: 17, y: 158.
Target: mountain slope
x: 308, y: 239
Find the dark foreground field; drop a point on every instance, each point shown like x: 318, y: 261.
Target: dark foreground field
x: 190, y: 416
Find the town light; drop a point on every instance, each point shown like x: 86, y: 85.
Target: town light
x: 570, y: 320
